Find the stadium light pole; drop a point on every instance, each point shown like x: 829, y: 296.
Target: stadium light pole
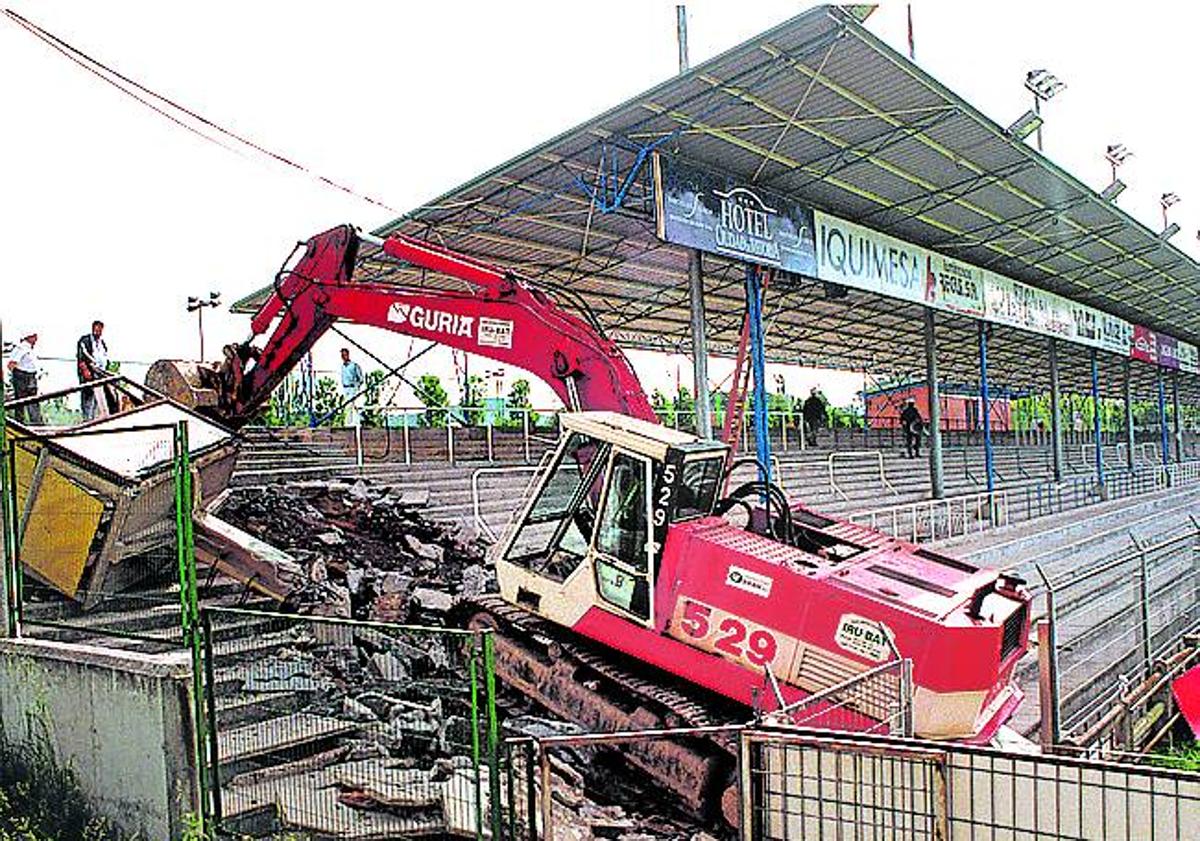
x: 196, y: 304
x: 1044, y: 85
x: 1116, y: 154
x: 1167, y: 201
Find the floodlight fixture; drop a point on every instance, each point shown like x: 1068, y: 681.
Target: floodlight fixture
x: 1169, y: 231
x: 1043, y: 84
x: 1117, y: 153
x: 1113, y: 190
x: 1167, y: 200
x: 1026, y: 124
x: 196, y: 304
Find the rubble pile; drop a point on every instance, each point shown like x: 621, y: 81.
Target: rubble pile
x: 365, y: 551
x: 395, y: 700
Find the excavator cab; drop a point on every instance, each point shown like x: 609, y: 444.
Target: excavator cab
x: 591, y: 534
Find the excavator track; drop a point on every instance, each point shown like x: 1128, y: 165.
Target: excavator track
x: 566, y: 677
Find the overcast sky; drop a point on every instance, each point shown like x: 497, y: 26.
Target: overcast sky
x: 109, y: 210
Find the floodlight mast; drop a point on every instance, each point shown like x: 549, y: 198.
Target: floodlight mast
x: 1168, y: 200
x: 1043, y: 85
x: 1116, y: 154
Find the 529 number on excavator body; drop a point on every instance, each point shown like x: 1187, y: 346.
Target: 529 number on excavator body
x: 718, y: 631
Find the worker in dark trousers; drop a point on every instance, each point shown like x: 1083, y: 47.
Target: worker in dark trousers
x: 23, y: 370
x: 913, y: 424
x: 815, y: 415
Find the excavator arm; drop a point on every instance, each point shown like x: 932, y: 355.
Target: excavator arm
x: 500, y: 317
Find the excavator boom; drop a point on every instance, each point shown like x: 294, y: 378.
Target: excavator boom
x: 500, y: 317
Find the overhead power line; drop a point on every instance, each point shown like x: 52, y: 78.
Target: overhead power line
x: 170, y: 109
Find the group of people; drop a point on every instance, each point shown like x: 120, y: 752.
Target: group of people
x: 91, y: 363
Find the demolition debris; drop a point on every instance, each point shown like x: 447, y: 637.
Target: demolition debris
x: 362, y: 550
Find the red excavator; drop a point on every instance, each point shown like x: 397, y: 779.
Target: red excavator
x: 628, y: 544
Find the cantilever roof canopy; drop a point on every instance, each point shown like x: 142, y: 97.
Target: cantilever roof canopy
x: 821, y: 110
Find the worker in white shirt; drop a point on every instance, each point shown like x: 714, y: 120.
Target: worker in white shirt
x: 23, y: 371
x: 352, y: 383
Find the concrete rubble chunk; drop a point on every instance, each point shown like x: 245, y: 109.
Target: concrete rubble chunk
x: 432, y: 600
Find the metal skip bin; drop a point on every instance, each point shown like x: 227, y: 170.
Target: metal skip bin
x: 96, y: 504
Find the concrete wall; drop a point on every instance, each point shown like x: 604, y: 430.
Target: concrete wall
x: 122, y: 721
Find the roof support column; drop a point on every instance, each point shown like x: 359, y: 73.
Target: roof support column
x: 1055, y: 413
x: 1129, y: 442
x: 1097, y: 433
x: 703, y: 402
x: 937, y: 479
x: 1163, y: 443
x: 1178, y: 416
x: 758, y: 362
x: 985, y: 407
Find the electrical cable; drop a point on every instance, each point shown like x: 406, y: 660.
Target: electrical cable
x: 110, y: 76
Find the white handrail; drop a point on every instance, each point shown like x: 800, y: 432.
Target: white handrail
x: 481, y: 526
x: 875, y: 454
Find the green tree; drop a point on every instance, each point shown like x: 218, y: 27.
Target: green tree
x: 518, y: 398
x: 372, y: 394
x: 434, y: 398
x: 326, y: 402
x: 664, y: 408
x: 472, y: 400
x: 685, y: 408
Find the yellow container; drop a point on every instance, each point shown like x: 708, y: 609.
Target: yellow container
x: 96, y: 504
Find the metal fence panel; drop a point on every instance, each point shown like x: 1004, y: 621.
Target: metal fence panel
x: 814, y: 787
x: 350, y: 729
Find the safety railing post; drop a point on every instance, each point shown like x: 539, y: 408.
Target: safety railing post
x: 407, y: 443
x: 491, y: 455
x: 525, y: 433
x: 449, y: 437
x: 1144, y: 635
x: 546, y: 783
x: 906, y: 696
x: 1048, y: 677
x: 213, y: 758
x: 189, y: 604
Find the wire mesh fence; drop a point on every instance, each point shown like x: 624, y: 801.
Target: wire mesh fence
x: 1112, y: 623
x: 815, y: 787
x: 346, y: 729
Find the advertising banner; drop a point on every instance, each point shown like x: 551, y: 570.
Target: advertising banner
x: 720, y: 215
x: 860, y: 258
x: 1189, y: 358
x: 953, y: 285
x: 1116, y: 334
x: 1168, y: 351
x: 1145, y: 344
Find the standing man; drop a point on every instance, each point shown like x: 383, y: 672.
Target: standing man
x: 913, y: 424
x: 23, y: 370
x: 815, y: 416
x: 91, y: 358
x: 352, y: 382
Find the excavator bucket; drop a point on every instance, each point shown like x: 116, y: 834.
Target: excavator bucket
x: 191, y: 384
x: 96, y: 502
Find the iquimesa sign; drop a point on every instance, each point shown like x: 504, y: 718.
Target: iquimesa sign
x: 717, y: 214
